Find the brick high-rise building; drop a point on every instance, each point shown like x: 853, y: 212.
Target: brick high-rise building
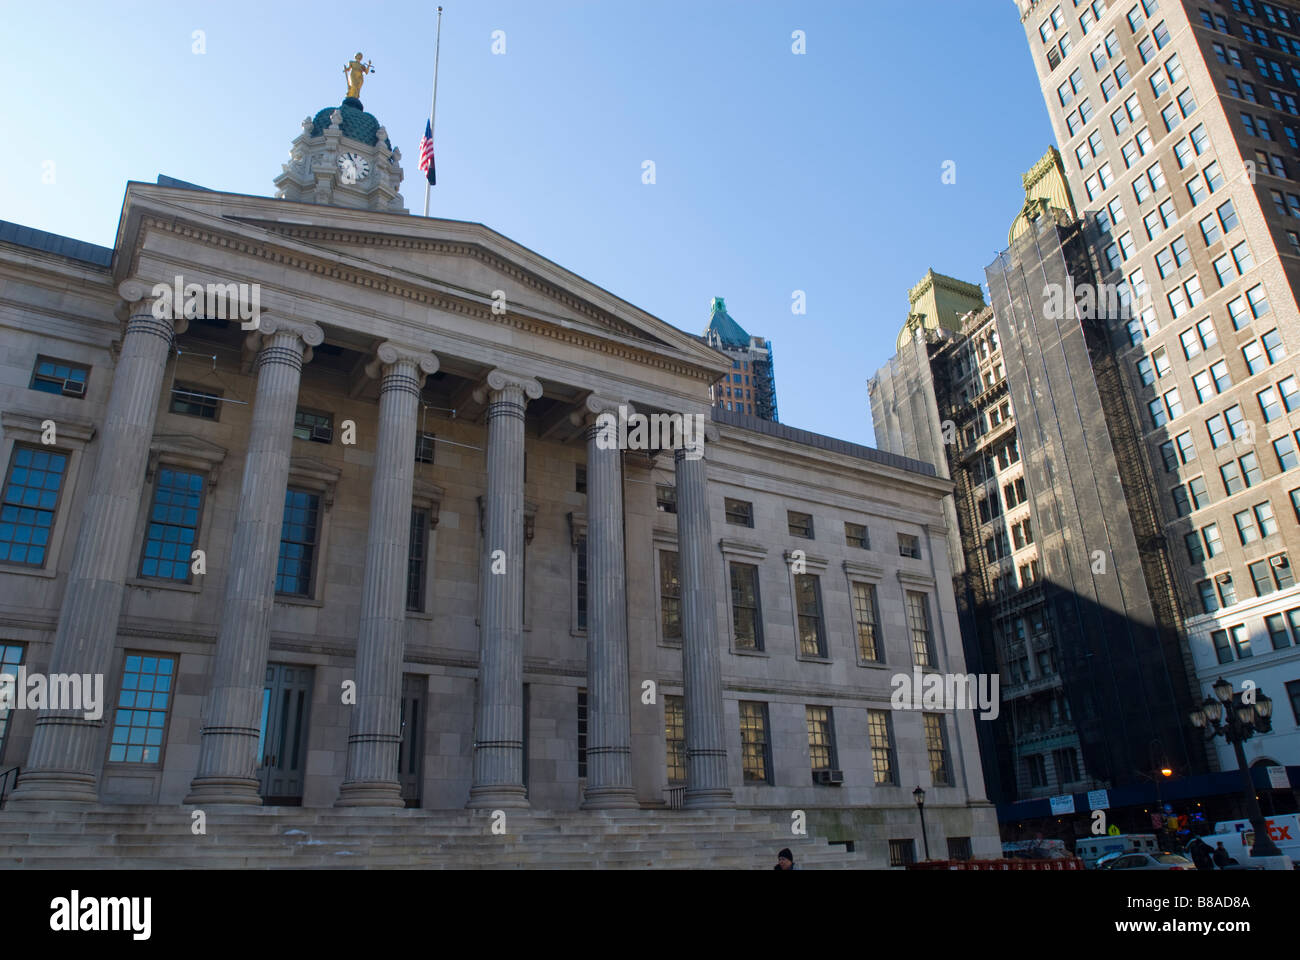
x: 751, y: 386
x: 1179, y: 125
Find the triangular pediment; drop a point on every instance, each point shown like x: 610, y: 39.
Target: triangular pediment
x: 456, y: 266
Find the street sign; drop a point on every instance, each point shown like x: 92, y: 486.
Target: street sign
x: 1063, y: 804
x: 1098, y: 800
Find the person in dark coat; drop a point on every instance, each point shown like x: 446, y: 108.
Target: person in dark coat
x: 784, y: 860
x: 1201, y: 855
x: 1221, y: 856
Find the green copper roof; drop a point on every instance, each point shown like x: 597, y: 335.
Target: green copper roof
x: 357, y: 124
x: 729, y: 331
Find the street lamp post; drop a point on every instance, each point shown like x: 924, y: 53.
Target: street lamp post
x: 919, y: 795
x: 1243, y: 721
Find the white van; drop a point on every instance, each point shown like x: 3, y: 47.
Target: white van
x: 1283, y: 829
x: 1091, y: 848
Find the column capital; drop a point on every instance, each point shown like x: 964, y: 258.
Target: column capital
x: 390, y: 352
x: 499, y: 379
x: 272, y: 323
x: 590, y: 409
x: 144, y: 301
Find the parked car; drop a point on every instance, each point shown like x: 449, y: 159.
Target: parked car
x: 1150, y: 861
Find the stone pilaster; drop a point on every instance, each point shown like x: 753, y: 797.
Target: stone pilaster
x: 706, y: 745
x: 498, y: 743
x: 375, y: 730
x: 609, y: 727
x: 228, y: 749
x: 66, y: 748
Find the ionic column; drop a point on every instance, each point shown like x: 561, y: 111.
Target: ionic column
x: 706, y: 745
x: 498, y: 745
x: 228, y: 749
x: 66, y: 748
x: 375, y: 733
x: 609, y: 725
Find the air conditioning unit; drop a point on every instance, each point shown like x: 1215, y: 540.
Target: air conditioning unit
x: 74, y: 388
x: 826, y: 777
x: 322, y: 433
x: 1279, y: 561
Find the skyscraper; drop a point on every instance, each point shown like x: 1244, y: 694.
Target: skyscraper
x: 751, y: 386
x: 1179, y: 126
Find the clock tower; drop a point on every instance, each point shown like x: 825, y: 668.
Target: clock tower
x: 343, y: 158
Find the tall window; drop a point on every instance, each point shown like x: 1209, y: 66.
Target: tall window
x: 298, y: 534
x: 665, y: 498
x: 675, y: 736
x: 141, y: 714
x: 800, y: 524
x: 11, y: 658
x: 416, y: 558
x: 173, y: 526
x: 808, y: 598
x: 856, y: 535
x: 425, y: 444
x: 745, y: 606
x: 580, y: 582
x: 1067, y: 765
x: 582, y: 734
x: 936, y: 744
x: 755, y: 748
x: 821, y: 738
x: 670, y: 595
x: 31, y: 496
x: 739, y: 512
x: 883, y: 767
x: 918, y: 623
x: 867, y: 619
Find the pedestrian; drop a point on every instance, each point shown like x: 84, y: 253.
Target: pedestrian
x: 785, y: 860
x: 1221, y: 856
x: 1201, y: 856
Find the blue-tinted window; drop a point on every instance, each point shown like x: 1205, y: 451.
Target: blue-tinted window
x: 173, y: 525
x: 141, y: 713
x: 30, y: 497
x: 293, y: 574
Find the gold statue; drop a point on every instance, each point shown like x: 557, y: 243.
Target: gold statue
x: 356, y: 73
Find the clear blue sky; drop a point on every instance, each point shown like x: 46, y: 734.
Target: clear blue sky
x: 775, y: 172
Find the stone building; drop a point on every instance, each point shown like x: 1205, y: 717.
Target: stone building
x: 368, y: 548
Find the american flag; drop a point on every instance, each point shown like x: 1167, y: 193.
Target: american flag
x: 426, y: 154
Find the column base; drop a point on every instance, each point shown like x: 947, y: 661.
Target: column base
x: 205, y: 791
x: 497, y: 796
x: 370, y: 793
x: 708, y: 798
x: 53, y: 786
x: 610, y: 798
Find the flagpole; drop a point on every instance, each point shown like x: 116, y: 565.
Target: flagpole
x: 433, y: 105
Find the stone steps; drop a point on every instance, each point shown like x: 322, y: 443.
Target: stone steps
x: 296, y: 838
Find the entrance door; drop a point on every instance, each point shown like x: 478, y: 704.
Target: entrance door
x: 410, y: 757
x: 282, y: 746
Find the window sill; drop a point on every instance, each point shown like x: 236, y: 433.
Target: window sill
x: 873, y: 664
x: 418, y: 615
x: 26, y: 571
x: 298, y: 601
x: 178, y: 586
x: 748, y: 652
x: 808, y: 659
x: 670, y: 645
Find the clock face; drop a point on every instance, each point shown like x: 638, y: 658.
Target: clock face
x: 353, y: 167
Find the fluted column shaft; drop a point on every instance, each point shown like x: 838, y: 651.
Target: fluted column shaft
x: 609, y: 725
x: 66, y: 748
x: 228, y: 748
x: 706, y: 745
x: 375, y: 734
x: 498, y: 744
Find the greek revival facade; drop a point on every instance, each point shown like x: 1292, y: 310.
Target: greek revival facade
x: 369, y: 549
